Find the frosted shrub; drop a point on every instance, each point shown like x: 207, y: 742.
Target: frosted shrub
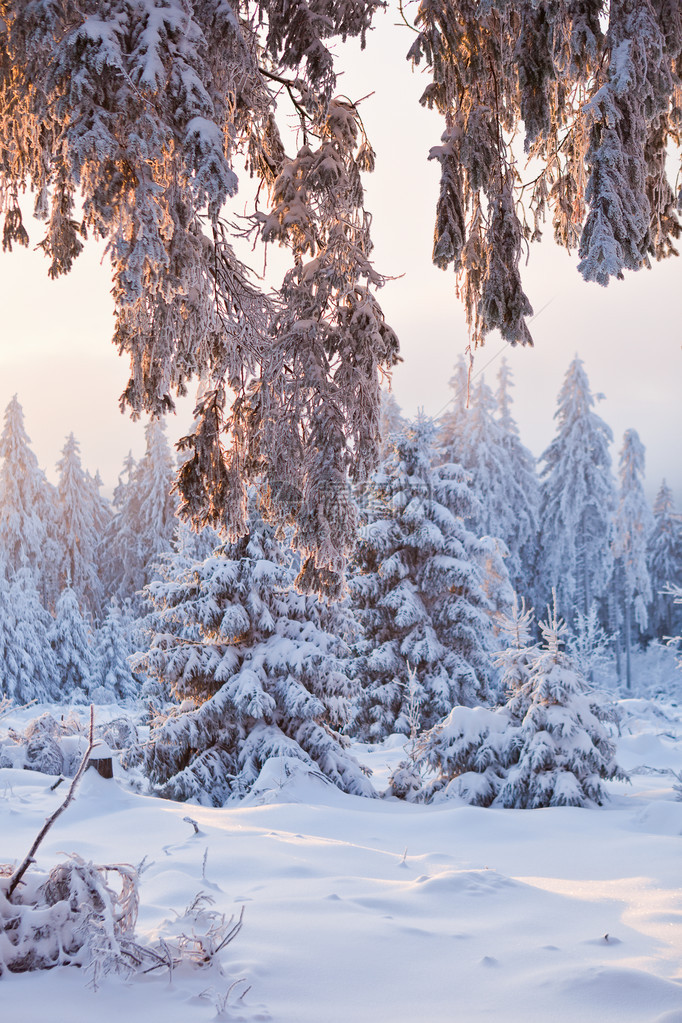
x: 73, y: 916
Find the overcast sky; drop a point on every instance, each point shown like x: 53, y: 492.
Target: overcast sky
x: 56, y: 352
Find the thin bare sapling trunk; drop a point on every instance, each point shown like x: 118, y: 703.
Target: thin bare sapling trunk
x: 30, y: 856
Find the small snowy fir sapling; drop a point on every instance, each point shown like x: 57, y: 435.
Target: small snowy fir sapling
x: 406, y: 781
x: 519, y: 651
x: 546, y: 747
x: 256, y: 670
x: 564, y: 750
x: 589, y: 646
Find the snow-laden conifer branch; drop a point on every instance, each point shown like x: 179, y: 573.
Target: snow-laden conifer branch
x: 141, y: 112
x: 593, y: 89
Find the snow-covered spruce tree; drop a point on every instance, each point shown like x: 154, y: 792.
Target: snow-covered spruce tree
x: 592, y: 88
x: 664, y: 560
x: 112, y: 677
x: 255, y: 667
x: 144, y: 521
x: 577, y: 499
x: 564, y: 750
x: 102, y: 512
x: 478, y: 448
x: 497, y: 586
x: 392, y: 420
x: 120, y: 554
x: 28, y: 670
x: 525, y: 495
x: 71, y: 642
x: 632, y: 526
x: 451, y: 422
x: 155, y: 505
x: 417, y: 588
x: 505, y: 510
x: 80, y: 517
x: 144, y: 109
x: 27, y: 506
x: 142, y: 528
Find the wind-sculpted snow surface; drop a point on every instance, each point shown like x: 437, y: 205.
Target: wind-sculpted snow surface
x: 370, y: 910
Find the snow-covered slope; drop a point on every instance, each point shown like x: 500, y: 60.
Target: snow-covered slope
x: 362, y: 910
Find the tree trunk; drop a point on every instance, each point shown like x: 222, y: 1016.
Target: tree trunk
x: 586, y: 575
x: 628, y: 667
x: 614, y: 623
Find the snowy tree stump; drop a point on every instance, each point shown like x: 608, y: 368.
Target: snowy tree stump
x: 102, y: 759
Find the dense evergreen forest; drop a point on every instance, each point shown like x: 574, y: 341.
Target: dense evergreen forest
x: 460, y: 535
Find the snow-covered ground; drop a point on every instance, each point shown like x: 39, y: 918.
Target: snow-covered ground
x: 370, y: 910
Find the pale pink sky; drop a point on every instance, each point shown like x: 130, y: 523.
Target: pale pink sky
x: 56, y: 353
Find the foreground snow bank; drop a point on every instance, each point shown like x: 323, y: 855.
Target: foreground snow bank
x: 360, y: 911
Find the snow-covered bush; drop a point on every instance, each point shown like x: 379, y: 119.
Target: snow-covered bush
x: 46, y: 745
x: 56, y: 747
x: 84, y: 914
x: 71, y: 916
x: 467, y: 756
